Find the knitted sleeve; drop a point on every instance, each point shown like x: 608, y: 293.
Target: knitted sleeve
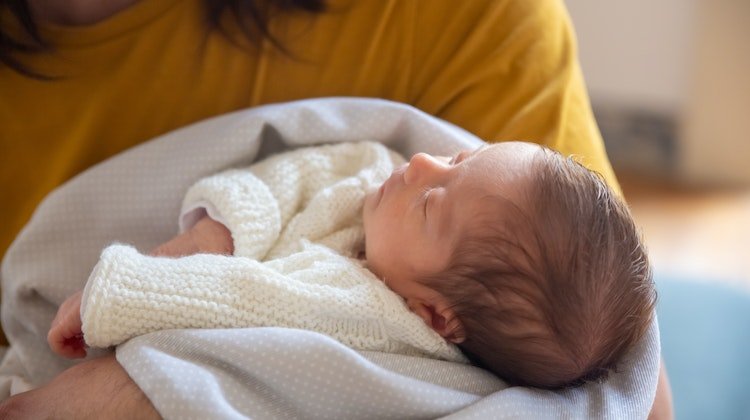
x: 130, y: 294
x: 243, y: 203
x: 317, y: 190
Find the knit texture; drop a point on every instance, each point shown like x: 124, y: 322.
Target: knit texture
x: 296, y: 222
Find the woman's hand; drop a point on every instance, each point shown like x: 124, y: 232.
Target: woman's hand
x: 65, y: 337
x: 206, y: 237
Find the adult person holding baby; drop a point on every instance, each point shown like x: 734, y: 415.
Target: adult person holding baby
x: 111, y: 75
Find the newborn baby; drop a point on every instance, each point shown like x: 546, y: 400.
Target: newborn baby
x: 511, y: 255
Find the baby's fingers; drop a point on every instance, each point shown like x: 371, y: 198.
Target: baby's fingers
x: 65, y: 337
x: 65, y: 342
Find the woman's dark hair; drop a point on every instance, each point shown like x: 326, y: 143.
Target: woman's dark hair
x: 10, y: 46
x: 252, y: 17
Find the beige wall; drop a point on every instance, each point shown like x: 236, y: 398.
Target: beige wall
x: 716, y: 128
x: 686, y: 57
x: 635, y: 51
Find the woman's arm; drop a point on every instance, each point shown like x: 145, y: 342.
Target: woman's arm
x: 662, y: 408
x: 69, y: 395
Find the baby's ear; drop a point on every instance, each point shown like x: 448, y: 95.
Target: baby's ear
x: 441, y: 318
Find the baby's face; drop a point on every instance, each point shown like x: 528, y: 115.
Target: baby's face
x: 414, y: 220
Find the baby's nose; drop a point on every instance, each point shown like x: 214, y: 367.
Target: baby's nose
x: 423, y: 168
x: 420, y: 159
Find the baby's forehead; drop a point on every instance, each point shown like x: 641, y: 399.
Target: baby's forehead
x: 500, y: 214
x: 511, y: 150
x: 481, y: 212
x: 504, y: 162
x: 490, y: 186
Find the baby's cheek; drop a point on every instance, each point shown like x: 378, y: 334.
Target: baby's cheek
x: 375, y: 257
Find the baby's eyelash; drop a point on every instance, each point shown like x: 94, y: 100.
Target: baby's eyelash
x: 425, y: 195
x: 458, y: 157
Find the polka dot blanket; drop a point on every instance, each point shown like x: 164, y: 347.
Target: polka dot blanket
x: 261, y: 372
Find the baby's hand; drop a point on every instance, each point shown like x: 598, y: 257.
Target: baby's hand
x: 65, y: 337
x: 206, y: 237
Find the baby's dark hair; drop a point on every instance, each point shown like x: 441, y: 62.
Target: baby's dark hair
x: 554, y: 290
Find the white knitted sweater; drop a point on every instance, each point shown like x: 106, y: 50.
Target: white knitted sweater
x: 296, y: 222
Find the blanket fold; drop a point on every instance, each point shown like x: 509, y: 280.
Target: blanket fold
x: 262, y: 372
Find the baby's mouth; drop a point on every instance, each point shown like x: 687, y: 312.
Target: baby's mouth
x: 381, y: 192
x: 373, y: 197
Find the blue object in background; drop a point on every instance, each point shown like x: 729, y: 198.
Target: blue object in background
x: 705, y: 336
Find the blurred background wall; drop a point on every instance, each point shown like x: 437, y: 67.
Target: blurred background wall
x: 670, y: 86
x: 669, y: 82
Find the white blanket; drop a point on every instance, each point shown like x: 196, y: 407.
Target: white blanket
x: 261, y: 372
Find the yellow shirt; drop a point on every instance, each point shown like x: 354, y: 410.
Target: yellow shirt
x: 501, y: 69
